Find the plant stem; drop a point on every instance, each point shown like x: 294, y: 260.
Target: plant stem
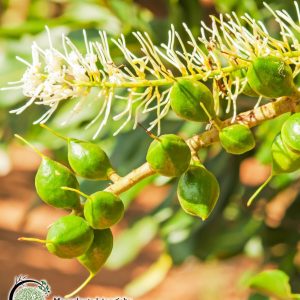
x: 126, y: 182
x: 33, y: 240
x: 259, y: 190
x: 250, y: 118
x: 54, y: 132
x: 31, y: 146
x: 168, y: 81
x: 159, y: 82
x: 91, y: 276
x: 114, y: 176
x: 66, y: 188
x: 153, y: 136
x: 215, y: 121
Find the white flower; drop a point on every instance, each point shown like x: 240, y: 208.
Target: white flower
x: 143, y: 83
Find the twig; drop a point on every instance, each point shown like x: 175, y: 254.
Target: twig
x: 126, y: 182
x: 250, y: 118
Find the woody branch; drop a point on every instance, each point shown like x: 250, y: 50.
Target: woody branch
x: 250, y: 118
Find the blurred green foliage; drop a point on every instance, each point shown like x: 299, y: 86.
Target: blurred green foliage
x: 273, y: 283
x: 232, y: 226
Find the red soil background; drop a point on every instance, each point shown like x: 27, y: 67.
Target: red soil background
x: 21, y: 216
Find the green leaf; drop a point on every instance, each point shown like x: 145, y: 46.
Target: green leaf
x: 257, y: 296
x: 177, y: 233
x: 223, y: 239
x: 273, y: 283
x: 130, y: 242
x: 82, y: 12
x: 131, y: 15
x: 155, y: 274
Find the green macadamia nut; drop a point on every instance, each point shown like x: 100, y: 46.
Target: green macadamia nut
x: 237, y: 139
x: 198, y: 191
x: 103, y: 209
x: 49, y: 179
x: 290, y: 132
x: 97, y: 254
x: 247, y: 90
x: 88, y: 160
x: 69, y: 237
x: 284, y: 159
x: 271, y: 77
x: 185, y: 98
x: 169, y: 155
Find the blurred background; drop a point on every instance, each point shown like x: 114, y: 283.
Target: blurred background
x: 160, y: 252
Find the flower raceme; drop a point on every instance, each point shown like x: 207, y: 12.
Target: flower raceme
x: 146, y: 78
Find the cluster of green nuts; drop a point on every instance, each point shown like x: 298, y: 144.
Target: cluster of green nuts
x: 198, y: 189
x: 267, y: 76
x: 193, y: 101
x: 285, y: 151
x: 85, y: 234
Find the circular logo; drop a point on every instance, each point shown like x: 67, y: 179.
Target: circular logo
x: 29, y: 293
x: 29, y: 289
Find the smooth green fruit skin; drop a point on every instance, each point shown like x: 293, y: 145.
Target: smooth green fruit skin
x: 271, y: 77
x: 88, y: 160
x: 241, y: 73
x: 198, y: 191
x: 49, y: 179
x: 95, y: 257
x: 70, y: 236
x: 284, y: 159
x: 237, y: 139
x: 290, y: 132
x: 185, y: 98
x: 170, y: 156
x: 103, y: 209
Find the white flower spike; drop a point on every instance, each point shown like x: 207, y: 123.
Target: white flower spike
x: 142, y: 85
